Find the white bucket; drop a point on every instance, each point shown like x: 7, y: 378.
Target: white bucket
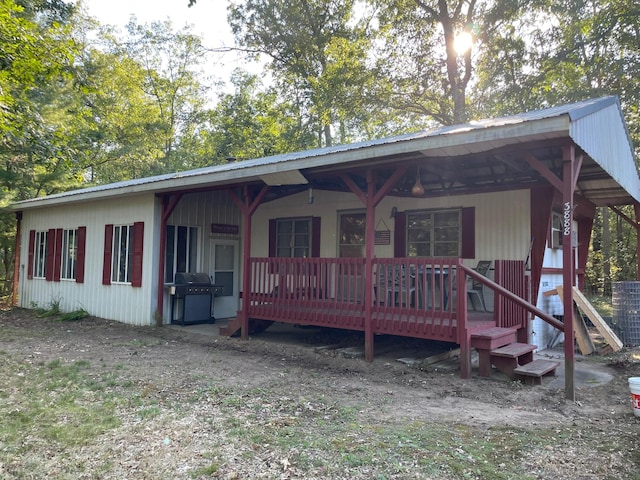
x: 634, y: 387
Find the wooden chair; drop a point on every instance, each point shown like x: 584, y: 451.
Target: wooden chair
x: 476, y: 289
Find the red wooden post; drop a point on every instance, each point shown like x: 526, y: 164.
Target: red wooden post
x: 167, y: 209
x: 464, y: 335
x: 248, y: 208
x: 368, y: 267
x: 16, y: 259
x: 568, y: 182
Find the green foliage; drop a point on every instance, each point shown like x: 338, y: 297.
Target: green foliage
x: 317, y: 55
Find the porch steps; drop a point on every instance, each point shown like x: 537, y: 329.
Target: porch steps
x: 508, y: 358
x: 497, y: 346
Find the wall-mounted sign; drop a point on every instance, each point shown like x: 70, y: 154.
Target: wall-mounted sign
x: 226, y: 229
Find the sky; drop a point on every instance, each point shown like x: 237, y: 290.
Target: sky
x: 208, y: 17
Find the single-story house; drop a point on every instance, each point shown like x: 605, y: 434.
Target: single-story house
x: 382, y: 236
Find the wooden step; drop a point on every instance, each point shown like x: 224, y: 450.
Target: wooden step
x: 532, y: 372
x: 513, y: 350
x: 489, y: 339
x: 231, y: 328
x: 509, y: 357
x: 493, y: 337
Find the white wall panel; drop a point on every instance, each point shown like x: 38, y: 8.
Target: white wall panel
x: 117, y: 302
x: 502, y: 220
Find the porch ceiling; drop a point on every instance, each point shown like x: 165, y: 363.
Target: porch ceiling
x: 497, y: 169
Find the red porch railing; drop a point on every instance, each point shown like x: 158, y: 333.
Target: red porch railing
x: 309, y: 291
x: 415, y: 297
x: 511, y: 274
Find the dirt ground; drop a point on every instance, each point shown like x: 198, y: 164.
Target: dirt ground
x: 173, y: 360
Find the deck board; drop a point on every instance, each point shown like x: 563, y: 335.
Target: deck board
x: 408, y: 322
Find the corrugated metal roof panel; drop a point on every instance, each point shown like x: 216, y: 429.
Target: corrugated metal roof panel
x: 454, y: 140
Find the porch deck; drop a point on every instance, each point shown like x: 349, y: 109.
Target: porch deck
x: 423, y: 298
x: 401, y: 321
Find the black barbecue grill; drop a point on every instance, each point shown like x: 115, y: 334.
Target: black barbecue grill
x: 193, y: 298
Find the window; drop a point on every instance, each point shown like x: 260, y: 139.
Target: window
x: 40, y: 255
x: 293, y: 238
x: 69, y: 254
x: 352, y: 235
x: 57, y: 254
x: 181, y: 251
x: 122, y: 253
x: 556, y: 234
x: 434, y: 233
x: 123, y: 248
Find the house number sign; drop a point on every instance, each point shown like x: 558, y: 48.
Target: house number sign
x: 567, y: 219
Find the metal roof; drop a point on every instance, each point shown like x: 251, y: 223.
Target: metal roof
x: 595, y: 125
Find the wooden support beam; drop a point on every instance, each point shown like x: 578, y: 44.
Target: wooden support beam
x: 568, y: 267
x: 544, y: 171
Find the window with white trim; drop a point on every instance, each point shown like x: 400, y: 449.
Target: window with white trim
x: 434, y: 233
x: 69, y: 254
x: 122, y: 254
x: 181, y: 251
x: 40, y: 255
x: 293, y: 237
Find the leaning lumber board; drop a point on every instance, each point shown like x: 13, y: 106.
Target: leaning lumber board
x: 604, y: 329
x: 580, y: 329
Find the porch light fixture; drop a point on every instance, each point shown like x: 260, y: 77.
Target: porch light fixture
x: 310, y: 198
x: 417, y: 190
x: 394, y: 210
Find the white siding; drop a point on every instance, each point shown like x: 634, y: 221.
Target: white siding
x: 502, y: 220
x: 201, y: 210
x: 118, y: 302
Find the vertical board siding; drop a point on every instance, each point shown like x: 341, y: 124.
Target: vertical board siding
x: 201, y: 210
x: 117, y: 302
x: 615, y: 155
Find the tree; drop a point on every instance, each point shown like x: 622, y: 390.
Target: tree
x: 317, y: 55
x: 171, y: 62
x: 35, y: 157
x: 251, y: 123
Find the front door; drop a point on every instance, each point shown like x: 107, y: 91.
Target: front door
x: 223, y: 268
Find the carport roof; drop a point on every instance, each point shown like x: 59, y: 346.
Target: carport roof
x: 595, y: 126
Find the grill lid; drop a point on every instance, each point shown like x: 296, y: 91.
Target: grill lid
x: 190, y: 278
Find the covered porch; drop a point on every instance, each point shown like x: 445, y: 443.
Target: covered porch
x: 504, y: 179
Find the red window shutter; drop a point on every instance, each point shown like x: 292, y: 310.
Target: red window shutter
x: 400, y: 235
x: 82, y: 240
x: 468, y: 233
x: 138, y: 244
x: 315, y: 237
x: 272, y: 238
x: 108, y: 252
x: 30, y: 258
x: 51, y: 248
x: 57, y: 256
